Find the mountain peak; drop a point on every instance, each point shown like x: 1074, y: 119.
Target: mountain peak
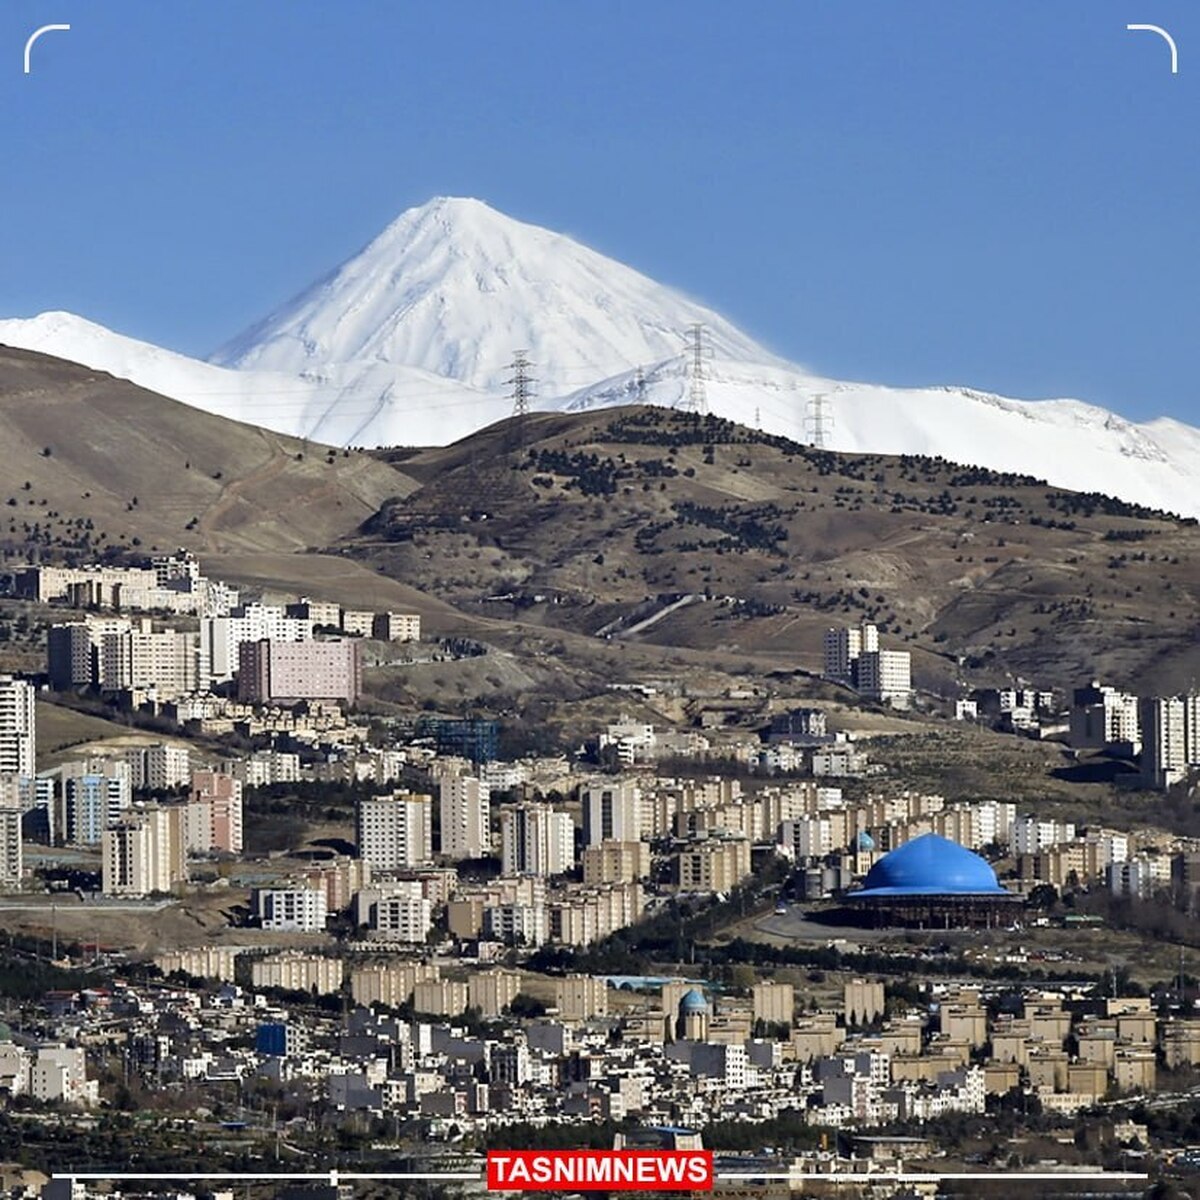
x: 454, y: 287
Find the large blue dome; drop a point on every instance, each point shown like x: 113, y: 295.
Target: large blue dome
x: 931, y: 865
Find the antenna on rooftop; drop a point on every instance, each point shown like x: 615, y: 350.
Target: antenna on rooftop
x: 818, y: 421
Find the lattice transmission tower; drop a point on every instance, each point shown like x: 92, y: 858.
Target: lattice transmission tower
x: 696, y: 399
x: 522, y: 385
x: 818, y: 421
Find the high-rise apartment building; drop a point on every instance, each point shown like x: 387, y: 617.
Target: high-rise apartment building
x: 1102, y: 717
x: 94, y: 793
x: 159, y: 767
x: 73, y: 650
x: 464, y: 815
x: 395, y: 831
x: 1164, y: 741
x: 18, y: 726
x: 212, y: 819
x: 143, y: 853
x: 612, y: 811
x: 886, y: 676
x: 141, y: 658
x: 11, y: 854
x: 273, y: 672
x: 536, y: 840
x: 843, y: 645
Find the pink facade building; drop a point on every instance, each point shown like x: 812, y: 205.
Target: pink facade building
x: 213, y: 814
x: 271, y: 672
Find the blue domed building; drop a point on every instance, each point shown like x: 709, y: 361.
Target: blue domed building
x: 933, y: 883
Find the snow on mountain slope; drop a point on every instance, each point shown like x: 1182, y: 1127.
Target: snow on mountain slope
x: 454, y: 287
x: 372, y: 405
x: 1069, y: 443
x: 408, y: 343
x: 234, y: 394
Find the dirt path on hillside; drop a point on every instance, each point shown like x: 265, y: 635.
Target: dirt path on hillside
x: 232, y: 492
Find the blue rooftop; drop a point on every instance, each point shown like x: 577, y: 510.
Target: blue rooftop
x: 693, y: 1001
x: 931, y: 865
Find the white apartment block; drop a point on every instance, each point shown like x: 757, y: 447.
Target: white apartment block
x: 171, y: 583
x: 886, y: 676
x: 1164, y: 741
x: 1030, y: 834
x: 358, y: 622
x: 1140, y: 877
x: 18, y: 726
x: 73, y: 650
x: 264, y: 767
x: 291, y: 909
x: 536, y: 840
x: 141, y: 658
x: 158, y: 767
x: 503, y: 776
x: 143, y: 853
x: 12, y: 861
x: 1191, y: 727
x: 403, y: 918
x: 395, y: 831
x: 221, y: 637
x: 465, y: 814
x: 612, y: 811
x: 633, y: 741
x: 324, y: 614
x: 517, y: 924
x: 59, y: 1073
x: 807, y: 837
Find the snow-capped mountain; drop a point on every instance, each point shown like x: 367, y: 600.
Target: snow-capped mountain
x: 454, y: 287
x: 371, y: 404
x: 409, y: 342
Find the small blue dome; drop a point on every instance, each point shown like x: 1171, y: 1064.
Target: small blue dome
x: 865, y: 841
x: 931, y: 865
x: 693, y: 1001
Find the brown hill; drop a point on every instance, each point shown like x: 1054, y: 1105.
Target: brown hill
x: 601, y: 521
x: 82, y: 446
x: 96, y: 468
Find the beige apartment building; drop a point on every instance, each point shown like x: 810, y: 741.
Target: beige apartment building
x: 492, y: 991
x: 580, y: 998
x: 298, y: 973
x: 143, y: 853
x: 774, y: 1003
x: 391, y: 984
x: 716, y: 864
x: 615, y: 862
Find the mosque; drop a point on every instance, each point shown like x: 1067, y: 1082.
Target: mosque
x: 933, y: 883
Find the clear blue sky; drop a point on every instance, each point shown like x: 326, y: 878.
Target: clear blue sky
x: 1001, y: 193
